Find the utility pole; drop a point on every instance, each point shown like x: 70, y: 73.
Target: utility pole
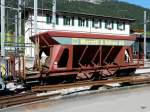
x: 35, y: 16
x: 145, y: 24
x: 2, y: 28
x: 2, y: 61
x: 36, y: 49
x: 16, y: 28
x: 54, y: 13
x: 35, y: 28
x: 19, y: 17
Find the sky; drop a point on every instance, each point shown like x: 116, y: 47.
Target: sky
x: 143, y: 3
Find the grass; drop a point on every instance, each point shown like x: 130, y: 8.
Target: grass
x: 148, y: 33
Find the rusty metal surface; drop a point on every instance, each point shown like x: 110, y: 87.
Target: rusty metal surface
x: 62, y: 34
x: 88, y: 58
x: 14, y: 67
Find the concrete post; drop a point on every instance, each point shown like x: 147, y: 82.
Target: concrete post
x: 54, y: 14
x: 145, y: 23
x: 2, y: 27
x: 19, y: 17
x: 2, y: 58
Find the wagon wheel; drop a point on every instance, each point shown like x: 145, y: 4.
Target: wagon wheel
x: 70, y: 79
x: 96, y: 76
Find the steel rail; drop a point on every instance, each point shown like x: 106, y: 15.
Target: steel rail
x: 131, y: 79
x: 8, y: 101
x: 22, y: 98
x: 14, y: 96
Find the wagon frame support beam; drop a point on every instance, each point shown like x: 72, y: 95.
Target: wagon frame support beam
x: 100, y: 56
x: 45, y: 41
x: 108, y: 55
x: 92, y: 61
x: 82, y: 56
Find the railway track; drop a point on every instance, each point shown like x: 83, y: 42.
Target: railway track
x: 22, y: 98
x: 130, y: 79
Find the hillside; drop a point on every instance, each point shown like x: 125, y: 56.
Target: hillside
x: 99, y: 7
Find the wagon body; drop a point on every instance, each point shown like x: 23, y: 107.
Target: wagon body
x: 85, y: 54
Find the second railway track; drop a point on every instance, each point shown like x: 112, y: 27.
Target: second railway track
x: 22, y: 98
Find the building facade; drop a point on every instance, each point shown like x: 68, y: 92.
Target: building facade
x: 74, y: 22
x: 138, y: 46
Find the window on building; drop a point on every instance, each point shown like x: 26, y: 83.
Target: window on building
x: 109, y: 25
x: 72, y: 21
x: 57, y: 19
x: 48, y: 19
x: 68, y: 21
x: 87, y: 22
x: 82, y: 22
x: 121, y: 26
x: 96, y: 23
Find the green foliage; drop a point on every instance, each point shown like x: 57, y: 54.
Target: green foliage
x: 148, y: 33
x: 113, y: 8
x: 20, y: 39
x: 10, y: 40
